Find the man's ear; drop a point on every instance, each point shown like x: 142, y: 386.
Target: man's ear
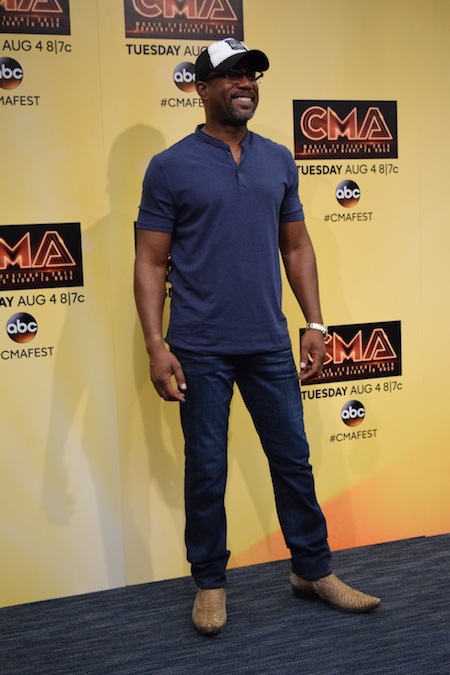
x: 201, y: 89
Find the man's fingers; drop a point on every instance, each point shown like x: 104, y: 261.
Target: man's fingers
x: 164, y: 367
x: 179, y: 376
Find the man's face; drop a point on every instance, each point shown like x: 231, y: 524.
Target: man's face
x: 231, y: 100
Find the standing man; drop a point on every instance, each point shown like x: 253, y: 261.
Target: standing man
x: 224, y: 202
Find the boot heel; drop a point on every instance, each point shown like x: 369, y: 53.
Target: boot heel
x: 304, y: 595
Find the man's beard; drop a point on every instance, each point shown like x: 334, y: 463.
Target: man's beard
x: 240, y: 116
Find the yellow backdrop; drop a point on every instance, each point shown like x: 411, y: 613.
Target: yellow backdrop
x: 91, y: 472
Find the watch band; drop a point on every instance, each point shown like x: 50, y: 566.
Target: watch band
x: 318, y: 326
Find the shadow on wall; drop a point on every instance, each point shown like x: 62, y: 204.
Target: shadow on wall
x: 100, y: 467
x: 151, y: 443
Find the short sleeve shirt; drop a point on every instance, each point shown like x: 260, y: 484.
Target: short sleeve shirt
x: 224, y: 219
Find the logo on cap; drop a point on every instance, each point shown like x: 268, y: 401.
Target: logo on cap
x: 235, y: 44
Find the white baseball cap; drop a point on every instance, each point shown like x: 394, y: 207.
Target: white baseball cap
x: 225, y: 54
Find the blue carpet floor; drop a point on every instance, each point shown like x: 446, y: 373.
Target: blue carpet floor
x: 146, y: 629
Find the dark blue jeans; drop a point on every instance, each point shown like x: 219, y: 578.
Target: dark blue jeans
x: 270, y: 389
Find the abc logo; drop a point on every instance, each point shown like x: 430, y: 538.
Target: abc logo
x: 353, y: 413
x: 348, y: 193
x: 21, y: 327
x: 11, y: 73
x: 184, y: 76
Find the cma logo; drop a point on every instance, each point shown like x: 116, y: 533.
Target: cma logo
x: 184, y: 76
x: 11, y: 73
x: 49, y: 252
x: 21, y: 327
x: 353, y: 413
x: 376, y: 348
x: 35, y: 6
x: 216, y: 10
x: 318, y: 123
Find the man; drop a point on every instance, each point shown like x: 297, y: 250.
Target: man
x: 224, y: 202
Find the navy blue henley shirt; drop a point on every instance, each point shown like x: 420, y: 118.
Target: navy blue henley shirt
x: 224, y: 219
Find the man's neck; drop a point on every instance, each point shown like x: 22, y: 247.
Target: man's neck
x: 230, y: 134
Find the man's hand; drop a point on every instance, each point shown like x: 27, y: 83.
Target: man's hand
x: 313, y: 352
x: 163, y: 366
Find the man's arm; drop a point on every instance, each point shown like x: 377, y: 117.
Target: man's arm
x: 300, y: 264
x: 152, y: 250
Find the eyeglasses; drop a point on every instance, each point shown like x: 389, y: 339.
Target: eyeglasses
x: 236, y: 76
